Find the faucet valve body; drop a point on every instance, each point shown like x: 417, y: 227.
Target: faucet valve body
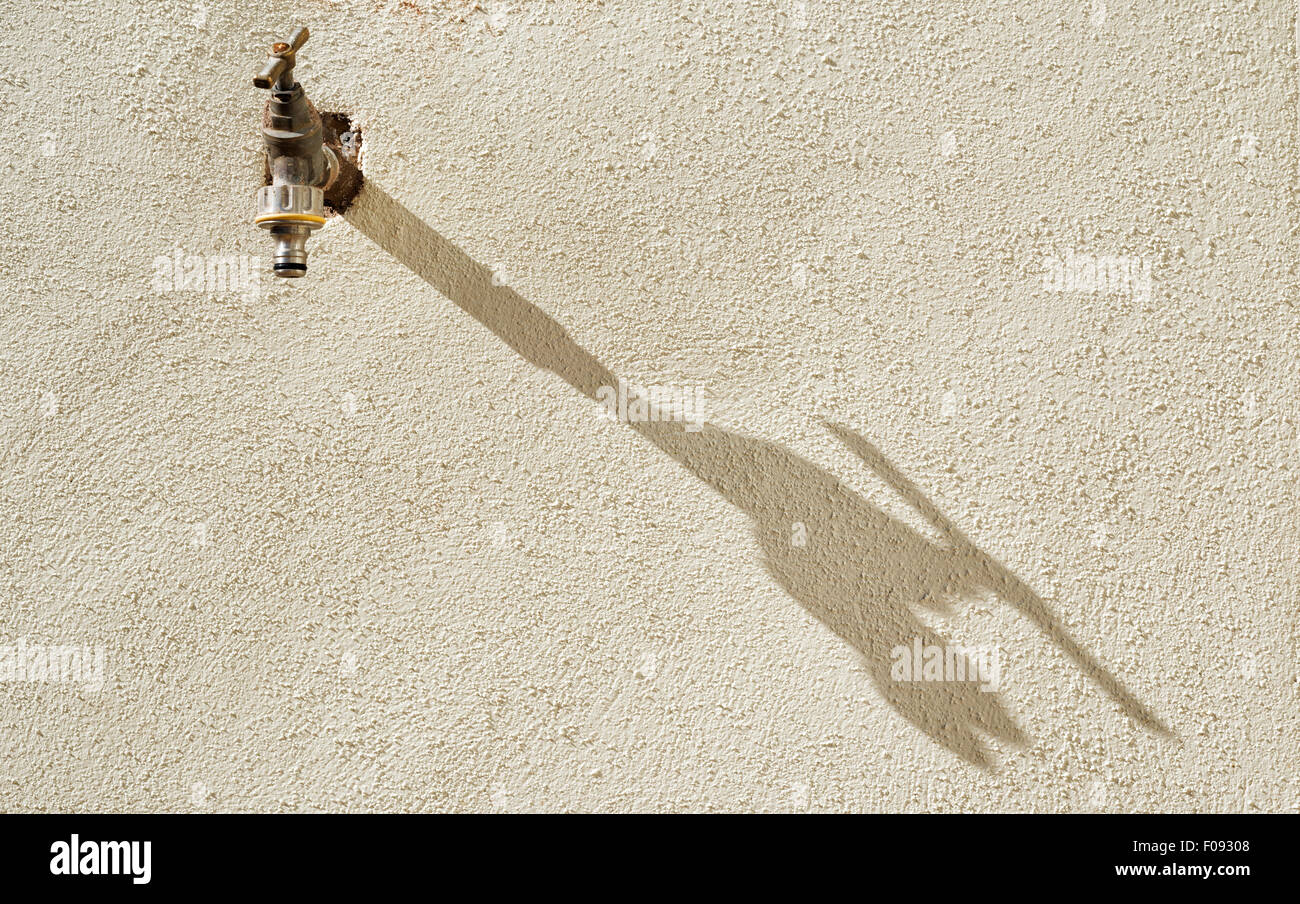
x: 301, y: 166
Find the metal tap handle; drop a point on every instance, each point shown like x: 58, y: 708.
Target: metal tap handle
x: 278, y: 70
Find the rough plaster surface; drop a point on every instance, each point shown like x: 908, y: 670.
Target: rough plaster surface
x: 364, y: 541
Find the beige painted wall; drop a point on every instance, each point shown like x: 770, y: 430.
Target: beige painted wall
x: 365, y: 541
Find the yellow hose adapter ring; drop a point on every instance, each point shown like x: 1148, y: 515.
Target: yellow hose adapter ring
x: 304, y: 218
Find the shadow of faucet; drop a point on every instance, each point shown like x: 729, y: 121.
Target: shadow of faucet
x: 861, y: 572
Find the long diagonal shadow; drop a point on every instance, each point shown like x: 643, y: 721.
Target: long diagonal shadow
x: 861, y: 572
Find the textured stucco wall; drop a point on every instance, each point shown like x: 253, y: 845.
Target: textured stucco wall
x: 365, y: 541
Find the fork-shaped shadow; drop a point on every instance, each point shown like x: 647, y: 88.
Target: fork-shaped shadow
x: 861, y: 572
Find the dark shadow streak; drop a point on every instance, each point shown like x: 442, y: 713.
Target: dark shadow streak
x: 861, y: 572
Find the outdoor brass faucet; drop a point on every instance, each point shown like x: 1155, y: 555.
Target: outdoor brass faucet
x: 300, y: 164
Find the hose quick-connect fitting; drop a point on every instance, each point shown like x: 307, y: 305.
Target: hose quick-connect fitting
x: 291, y: 213
x: 301, y: 167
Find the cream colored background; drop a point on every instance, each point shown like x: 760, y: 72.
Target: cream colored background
x: 431, y: 577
